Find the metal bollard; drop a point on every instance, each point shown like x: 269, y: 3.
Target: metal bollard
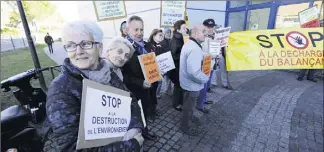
x: 23, y: 41
x: 13, y: 44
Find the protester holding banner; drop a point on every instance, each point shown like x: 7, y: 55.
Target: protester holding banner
x: 83, y: 43
x: 192, y: 78
x: 202, y: 100
x: 123, y: 29
x: 133, y: 75
x: 166, y: 44
x: 155, y: 40
x: 180, y: 29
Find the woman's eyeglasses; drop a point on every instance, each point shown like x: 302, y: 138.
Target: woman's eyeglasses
x: 83, y: 44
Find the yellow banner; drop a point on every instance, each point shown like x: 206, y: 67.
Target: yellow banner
x: 300, y: 48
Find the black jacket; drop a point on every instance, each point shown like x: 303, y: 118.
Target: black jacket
x: 166, y: 43
x: 134, y: 79
x: 63, y: 113
x: 158, y: 48
x: 175, y: 47
x: 48, y: 39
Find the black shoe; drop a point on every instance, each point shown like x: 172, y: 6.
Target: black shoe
x: 313, y: 80
x: 178, y: 108
x: 300, y: 79
x: 190, y: 131
x: 209, y: 102
x: 228, y: 87
x: 148, y: 136
x: 204, y: 110
x: 210, y: 90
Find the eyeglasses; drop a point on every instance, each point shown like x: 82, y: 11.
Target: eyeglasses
x: 83, y: 44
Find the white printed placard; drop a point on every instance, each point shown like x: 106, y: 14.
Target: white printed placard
x: 108, y: 10
x: 214, y: 47
x: 107, y: 115
x: 172, y: 11
x: 165, y: 62
x: 221, y: 35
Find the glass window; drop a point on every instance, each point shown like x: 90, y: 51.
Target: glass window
x: 236, y: 21
x: 259, y: 1
x: 287, y: 15
x: 319, y: 5
x: 237, y: 3
x: 258, y: 19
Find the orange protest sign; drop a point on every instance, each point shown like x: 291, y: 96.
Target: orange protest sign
x: 150, y: 67
x: 206, y: 67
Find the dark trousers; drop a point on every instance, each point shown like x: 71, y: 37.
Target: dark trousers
x: 189, y: 104
x: 177, y: 98
x: 310, y: 74
x: 50, y: 48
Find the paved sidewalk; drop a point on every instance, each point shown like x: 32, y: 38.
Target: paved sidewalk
x: 268, y: 111
x: 59, y: 54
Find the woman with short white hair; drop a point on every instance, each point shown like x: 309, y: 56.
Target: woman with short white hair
x: 83, y: 43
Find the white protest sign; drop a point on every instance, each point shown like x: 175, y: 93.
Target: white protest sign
x: 308, y: 15
x: 214, y: 47
x: 107, y: 115
x: 108, y: 10
x: 172, y: 11
x: 221, y: 35
x: 165, y: 62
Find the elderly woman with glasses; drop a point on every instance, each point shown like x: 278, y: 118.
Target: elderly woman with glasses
x: 83, y: 43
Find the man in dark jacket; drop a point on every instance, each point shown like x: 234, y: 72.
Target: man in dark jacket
x: 176, y: 44
x: 132, y: 72
x: 49, y: 41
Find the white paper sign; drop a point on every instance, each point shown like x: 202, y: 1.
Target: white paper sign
x: 222, y: 34
x: 165, y: 62
x: 106, y: 10
x: 214, y: 47
x: 107, y: 115
x: 308, y: 15
x: 172, y: 11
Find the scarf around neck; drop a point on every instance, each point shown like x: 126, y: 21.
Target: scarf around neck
x: 138, y: 46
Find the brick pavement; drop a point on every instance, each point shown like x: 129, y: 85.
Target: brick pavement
x: 261, y: 114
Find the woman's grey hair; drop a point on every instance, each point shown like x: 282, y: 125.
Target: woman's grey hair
x: 89, y: 28
x: 116, y: 42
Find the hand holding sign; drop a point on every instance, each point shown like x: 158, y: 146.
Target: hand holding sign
x: 150, y: 68
x: 146, y: 84
x: 206, y: 67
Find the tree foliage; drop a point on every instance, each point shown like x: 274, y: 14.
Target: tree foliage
x: 34, y: 11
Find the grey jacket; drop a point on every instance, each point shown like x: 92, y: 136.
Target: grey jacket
x: 191, y: 76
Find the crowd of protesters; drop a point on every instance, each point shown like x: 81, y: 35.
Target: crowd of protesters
x: 118, y: 66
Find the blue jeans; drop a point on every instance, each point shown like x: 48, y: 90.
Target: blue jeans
x: 203, y: 93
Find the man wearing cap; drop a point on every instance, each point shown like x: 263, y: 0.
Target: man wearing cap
x: 202, y: 100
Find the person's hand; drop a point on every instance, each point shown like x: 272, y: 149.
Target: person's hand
x: 146, y: 84
x: 139, y: 138
x: 131, y: 133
